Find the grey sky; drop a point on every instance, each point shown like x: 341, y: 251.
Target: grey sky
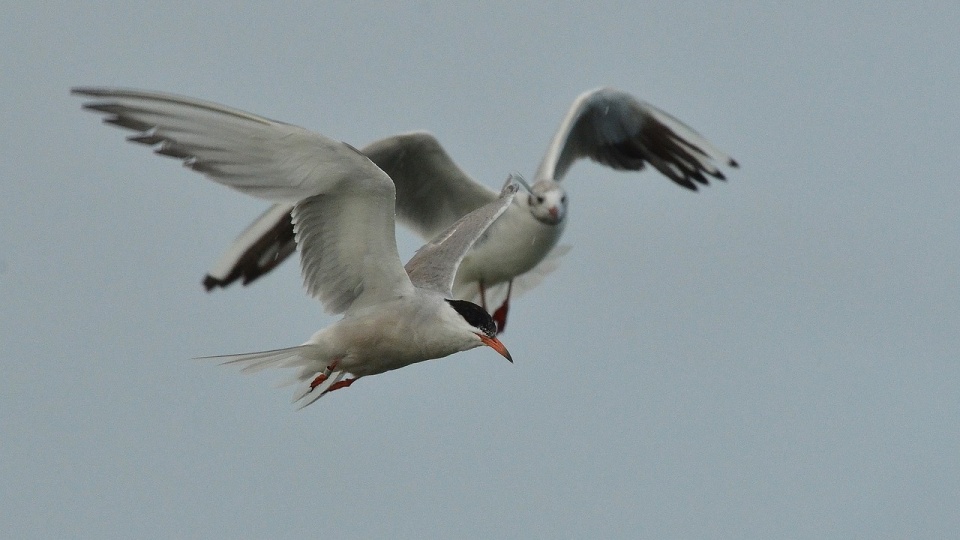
x: 774, y: 357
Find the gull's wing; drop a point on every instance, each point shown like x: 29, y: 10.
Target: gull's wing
x: 263, y: 245
x: 432, y: 193
x: 344, y: 204
x: 617, y: 130
x: 435, y: 264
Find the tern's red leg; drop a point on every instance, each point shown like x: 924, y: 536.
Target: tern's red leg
x: 500, y: 315
x: 323, y: 376
x: 318, y: 381
x: 340, y: 384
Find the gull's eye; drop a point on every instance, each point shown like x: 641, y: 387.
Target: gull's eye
x: 540, y: 199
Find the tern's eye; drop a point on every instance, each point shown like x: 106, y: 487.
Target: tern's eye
x: 540, y: 199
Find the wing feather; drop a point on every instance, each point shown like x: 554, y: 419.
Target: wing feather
x: 435, y: 265
x: 262, y: 246
x: 432, y: 191
x: 344, y: 203
x: 614, y: 128
x: 432, y: 194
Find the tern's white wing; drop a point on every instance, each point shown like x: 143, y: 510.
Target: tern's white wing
x: 616, y: 129
x: 432, y: 191
x: 434, y: 266
x: 344, y: 203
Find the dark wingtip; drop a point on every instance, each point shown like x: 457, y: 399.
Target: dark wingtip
x: 147, y: 139
x: 210, y: 283
x: 108, y: 108
x: 686, y: 183
x: 733, y: 163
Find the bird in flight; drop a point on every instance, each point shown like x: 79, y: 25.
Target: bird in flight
x: 341, y: 206
x: 606, y: 125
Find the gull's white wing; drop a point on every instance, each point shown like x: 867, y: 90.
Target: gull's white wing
x: 435, y: 264
x: 432, y: 191
x: 344, y: 204
x: 617, y: 130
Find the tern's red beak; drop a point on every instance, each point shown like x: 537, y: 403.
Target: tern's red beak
x: 495, y: 344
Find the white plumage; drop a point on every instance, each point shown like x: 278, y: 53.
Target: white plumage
x: 606, y: 125
x: 342, y: 209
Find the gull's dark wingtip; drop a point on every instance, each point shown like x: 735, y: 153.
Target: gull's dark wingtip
x: 210, y: 283
x: 686, y: 183
x: 86, y: 91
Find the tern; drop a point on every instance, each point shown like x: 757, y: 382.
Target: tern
x: 342, y: 210
x: 606, y: 125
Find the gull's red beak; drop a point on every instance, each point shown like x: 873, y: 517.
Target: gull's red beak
x: 495, y: 344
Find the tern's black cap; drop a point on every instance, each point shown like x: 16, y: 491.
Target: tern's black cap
x: 476, y: 316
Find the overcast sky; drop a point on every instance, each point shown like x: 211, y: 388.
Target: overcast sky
x: 773, y: 357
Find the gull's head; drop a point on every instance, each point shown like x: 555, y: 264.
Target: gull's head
x: 479, y: 323
x: 547, y: 202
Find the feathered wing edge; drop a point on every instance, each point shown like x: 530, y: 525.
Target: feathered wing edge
x: 310, y: 360
x: 692, y: 139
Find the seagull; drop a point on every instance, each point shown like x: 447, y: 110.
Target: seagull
x: 606, y: 125
x: 342, y: 211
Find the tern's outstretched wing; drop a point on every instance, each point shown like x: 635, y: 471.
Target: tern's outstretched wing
x: 344, y: 204
x: 435, y: 264
x: 617, y: 130
x: 432, y: 193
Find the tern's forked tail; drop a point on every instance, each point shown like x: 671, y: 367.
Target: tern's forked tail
x: 317, y: 372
